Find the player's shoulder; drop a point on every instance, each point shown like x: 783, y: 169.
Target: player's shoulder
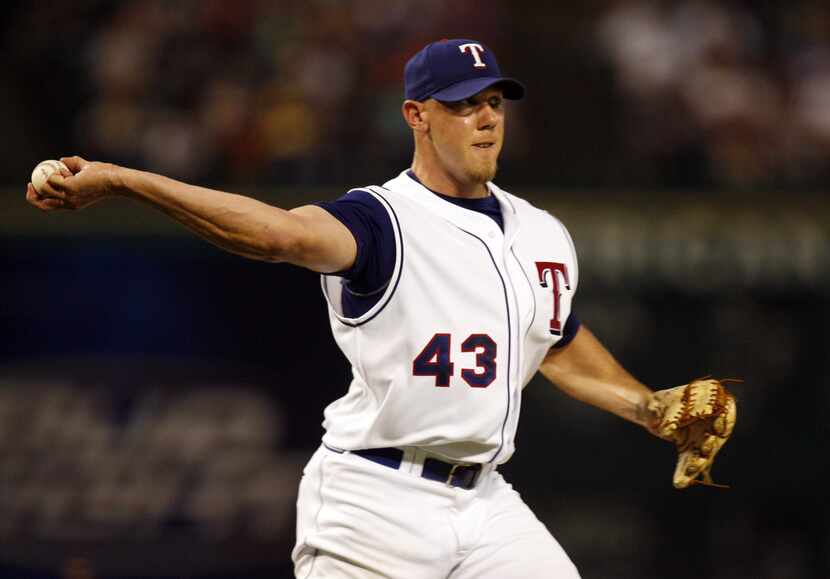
x: 360, y: 203
x: 360, y: 193
x: 370, y: 196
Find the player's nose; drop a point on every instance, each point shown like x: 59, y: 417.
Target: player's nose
x: 487, y: 117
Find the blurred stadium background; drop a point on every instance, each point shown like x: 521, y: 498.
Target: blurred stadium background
x: 158, y: 397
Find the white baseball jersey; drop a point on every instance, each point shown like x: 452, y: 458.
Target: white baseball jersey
x: 440, y: 361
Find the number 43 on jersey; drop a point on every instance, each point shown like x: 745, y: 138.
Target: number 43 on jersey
x: 436, y: 360
x: 436, y: 357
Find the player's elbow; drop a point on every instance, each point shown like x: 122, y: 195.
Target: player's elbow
x: 304, y: 251
x: 293, y: 244
x: 312, y: 239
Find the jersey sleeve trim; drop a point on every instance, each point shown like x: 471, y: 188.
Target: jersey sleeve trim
x: 367, y: 294
x: 390, y: 286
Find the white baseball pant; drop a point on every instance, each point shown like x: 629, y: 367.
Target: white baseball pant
x: 359, y: 519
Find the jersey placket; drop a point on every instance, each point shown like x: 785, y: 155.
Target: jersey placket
x: 499, y: 245
x: 511, y: 229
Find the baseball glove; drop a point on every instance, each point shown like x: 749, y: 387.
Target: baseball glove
x: 698, y: 418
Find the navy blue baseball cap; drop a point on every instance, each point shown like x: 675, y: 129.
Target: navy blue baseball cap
x: 453, y: 70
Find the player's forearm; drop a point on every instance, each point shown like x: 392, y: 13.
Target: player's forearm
x: 233, y: 222
x: 585, y: 370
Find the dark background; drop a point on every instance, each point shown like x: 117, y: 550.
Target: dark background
x: 159, y: 397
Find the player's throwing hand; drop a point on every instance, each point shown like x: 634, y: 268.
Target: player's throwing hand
x: 86, y: 183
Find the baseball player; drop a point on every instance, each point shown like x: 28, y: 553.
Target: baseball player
x: 447, y: 294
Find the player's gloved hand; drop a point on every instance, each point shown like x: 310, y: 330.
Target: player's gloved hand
x: 698, y: 418
x: 88, y: 183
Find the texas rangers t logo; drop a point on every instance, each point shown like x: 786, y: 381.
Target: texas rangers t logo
x: 551, y: 267
x: 475, y: 50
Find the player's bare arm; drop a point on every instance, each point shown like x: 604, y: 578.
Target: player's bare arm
x: 307, y: 236
x: 586, y: 370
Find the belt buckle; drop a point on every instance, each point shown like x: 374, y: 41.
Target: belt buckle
x: 452, y: 474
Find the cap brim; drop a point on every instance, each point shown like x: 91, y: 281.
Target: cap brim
x: 511, y: 88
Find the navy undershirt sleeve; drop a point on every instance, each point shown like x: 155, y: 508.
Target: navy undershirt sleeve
x: 572, y: 326
x: 371, y: 226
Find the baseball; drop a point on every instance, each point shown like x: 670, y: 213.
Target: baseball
x: 44, y: 170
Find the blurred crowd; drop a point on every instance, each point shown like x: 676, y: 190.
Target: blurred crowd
x: 246, y: 91
x: 622, y: 93
x: 734, y: 93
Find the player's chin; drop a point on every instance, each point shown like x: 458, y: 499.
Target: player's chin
x: 483, y: 172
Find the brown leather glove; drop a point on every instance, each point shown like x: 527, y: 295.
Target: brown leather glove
x: 698, y: 418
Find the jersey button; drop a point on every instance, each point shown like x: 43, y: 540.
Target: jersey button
x: 491, y: 235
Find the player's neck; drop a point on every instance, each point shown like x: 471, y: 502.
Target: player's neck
x: 440, y: 181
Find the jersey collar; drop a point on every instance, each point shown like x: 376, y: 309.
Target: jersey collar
x: 470, y: 221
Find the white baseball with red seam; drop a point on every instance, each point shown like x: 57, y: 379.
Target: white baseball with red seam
x: 44, y: 170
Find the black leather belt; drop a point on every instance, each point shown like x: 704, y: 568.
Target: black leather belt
x: 455, y: 475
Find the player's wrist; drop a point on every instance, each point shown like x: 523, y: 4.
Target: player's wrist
x: 123, y: 181
x: 650, y: 413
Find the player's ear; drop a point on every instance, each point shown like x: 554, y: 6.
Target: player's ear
x: 413, y: 114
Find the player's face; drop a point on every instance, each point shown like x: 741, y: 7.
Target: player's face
x: 468, y: 135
